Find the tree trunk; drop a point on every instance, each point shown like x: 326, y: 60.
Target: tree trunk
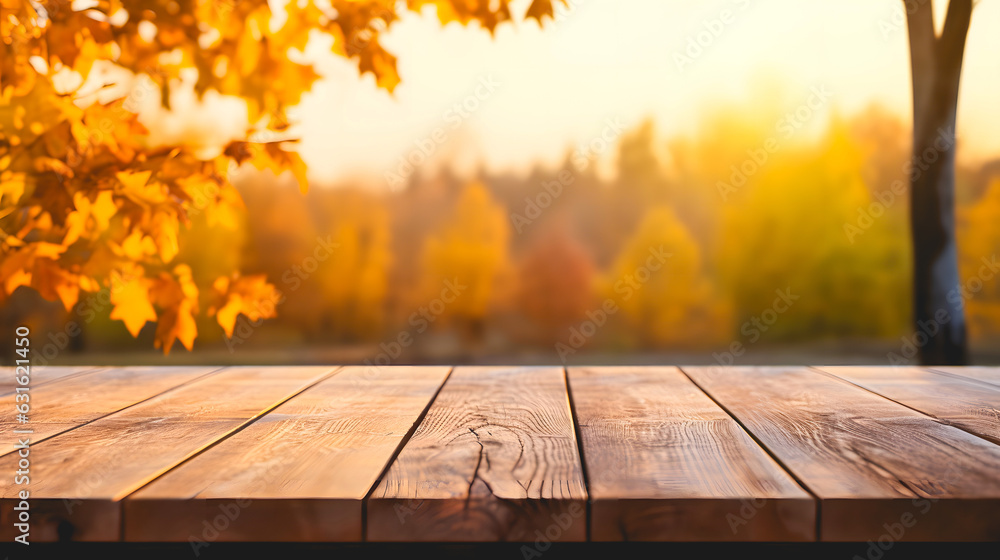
x: 936, y: 66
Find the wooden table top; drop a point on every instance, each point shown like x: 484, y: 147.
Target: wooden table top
x: 487, y: 454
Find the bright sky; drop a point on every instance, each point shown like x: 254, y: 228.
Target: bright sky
x: 608, y: 59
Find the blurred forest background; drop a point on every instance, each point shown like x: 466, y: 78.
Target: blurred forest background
x: 738, y: 222
x: 800, y: 258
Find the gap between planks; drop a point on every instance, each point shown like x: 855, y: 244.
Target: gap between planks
x: 59, y: 382
x: 225, y: 436
x: 71, y: 372
x: 309, y: 463
x: 774, y: 457
x: 579, y: 449
x: 498, y: 483
x: 865, y: 455
x: 574, y: 418
x: 980, y: 394
x: 395, y: 454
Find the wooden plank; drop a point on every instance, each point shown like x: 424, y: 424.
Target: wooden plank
x: 76, y: 400
x: 79, y: 477
x: 984, y: 374
x: 495, y: 459
x: 970, y: 405
x: 39, y: 375
x: 299, y: 473
x: 881, y: 470
x: 665, y: 463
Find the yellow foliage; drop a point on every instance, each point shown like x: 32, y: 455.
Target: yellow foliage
x: 470, y: 249
x: 132, y: 303
x: 177, y: 295
x: 979, y: 248
x: 354, y: 278
x: 659, y: 282
x: 791, y: 229
x: 252, y: 296
x: 81, y: 176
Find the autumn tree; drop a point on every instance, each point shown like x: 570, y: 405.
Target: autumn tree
x: 672, y: 302
x: 283, y: 243
x: 555, y: 282
x: 848, y: 257
x: 936, y: 67
x: 468, y: 251
x: 89, y: 203
x: 354, y: 281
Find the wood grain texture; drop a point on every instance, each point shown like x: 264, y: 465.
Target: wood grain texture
x: 665, y: 463
x: 970, y: 405
x: 299, y: 473
x: 878, y: 467
x: 984, y: 374
x: 76, y: 400
x: 79, y: 477
x: 39, y: 375
x: 495, y: 459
